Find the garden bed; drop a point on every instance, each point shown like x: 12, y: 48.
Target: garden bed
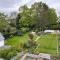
x: 46, y: 43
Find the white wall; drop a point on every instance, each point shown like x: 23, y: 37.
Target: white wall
x: 1, y: 43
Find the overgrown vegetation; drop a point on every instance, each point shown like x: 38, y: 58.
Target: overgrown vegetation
x: 46, y: 43
x: 38, y: 17
x: 8, y: 53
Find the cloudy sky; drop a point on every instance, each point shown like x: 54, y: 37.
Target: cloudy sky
x: 13, y: 5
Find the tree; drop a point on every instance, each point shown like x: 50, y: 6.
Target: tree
x: 39, y: 16
x: 12, y: 19
x: 3, y: 23
x: 26, y: 18
x: 52, y: 17
x: 44, y: 16
x: 39, y: 9
x: 18, y: 27
x: 17, y: 22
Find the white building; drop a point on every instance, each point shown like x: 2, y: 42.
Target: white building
x: 1, y: 40
x: 52, y: 31
x: 49, y: 31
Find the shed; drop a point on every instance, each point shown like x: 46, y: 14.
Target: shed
x: 49, y: 31
x: 1, y: 40
x: 52, y: 31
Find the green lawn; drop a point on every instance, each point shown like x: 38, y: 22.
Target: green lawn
x: 59, y: 40
x: 46, y: 43
x: 16, y: 40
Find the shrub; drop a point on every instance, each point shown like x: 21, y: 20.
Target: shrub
x: 18, y: 48
x: 24, y: 30
x: 8, y: 53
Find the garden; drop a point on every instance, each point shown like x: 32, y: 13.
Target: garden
x: 16, y: 27
x: 45, y: 44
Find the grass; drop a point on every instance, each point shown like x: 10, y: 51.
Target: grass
x: 46, y: 43
x: 59, y: 40
x: 16, y: 40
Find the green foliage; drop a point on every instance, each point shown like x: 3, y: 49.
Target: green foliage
x: 39, y: 16
x: 45, y: 44
x: 52, y: 18
x: 25, y: 29
x: 17, y: 42
x: 3, y: 22
x: 8, y: 53
x: 5, y: 26
x: 17, y: 22
x: 12, y: 19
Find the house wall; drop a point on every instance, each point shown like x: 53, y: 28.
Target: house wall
x: 1, y: 43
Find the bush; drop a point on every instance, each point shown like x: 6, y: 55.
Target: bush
x: 24, y: 30
x: 7, y: 53
x: 18, y: 48
x: 30, y: 46
x: 7, y: 36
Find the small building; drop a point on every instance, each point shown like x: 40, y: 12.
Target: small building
x: 1, y: 40
x: 52, y: 31
x: 49, y: 31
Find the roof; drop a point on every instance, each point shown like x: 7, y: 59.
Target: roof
x: 49, y: 31
x: 1, y: 36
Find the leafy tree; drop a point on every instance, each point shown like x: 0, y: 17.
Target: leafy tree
x: 17, y: 22
x: 44, y: 16
x: 3, y: 23
x: 39, y: 16
x: 52, y: 17
x: 26, y: 17
x: 12, y: 19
